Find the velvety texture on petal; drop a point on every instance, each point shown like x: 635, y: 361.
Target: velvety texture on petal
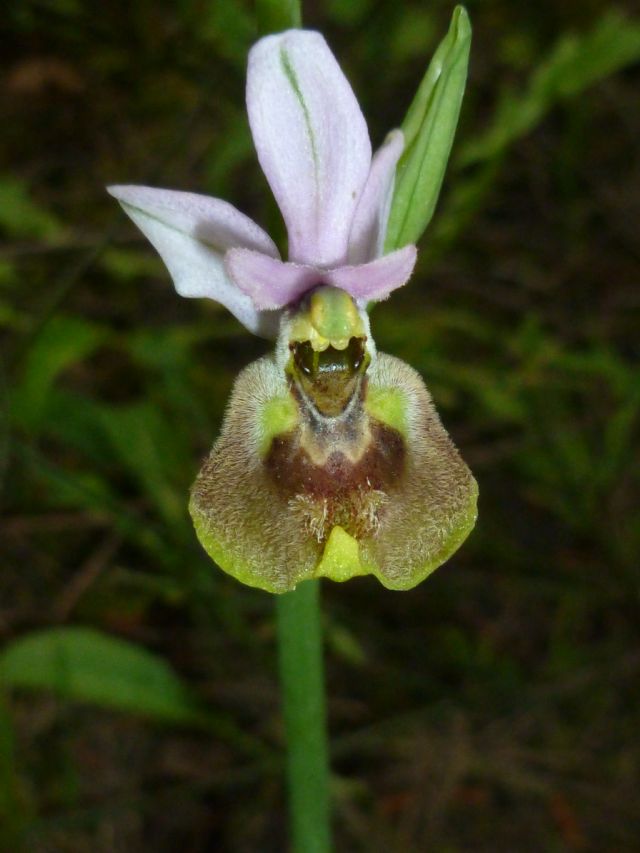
x: 191, y: 233
x: 269, y: 282
x: 271, y: 527
x: 377, y: 279
x: 311, y: 139
x: 369, y: 226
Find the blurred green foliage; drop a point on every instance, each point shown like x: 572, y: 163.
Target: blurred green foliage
x: 493, y: 708
x: 82, y: 664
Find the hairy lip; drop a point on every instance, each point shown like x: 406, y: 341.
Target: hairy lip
x: 339, y: 491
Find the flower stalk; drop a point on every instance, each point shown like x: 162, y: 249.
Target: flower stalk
x: 303, y: 696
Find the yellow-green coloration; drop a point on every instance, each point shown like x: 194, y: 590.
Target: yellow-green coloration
x: 279, y: 415
x: 388, y: 405
x: 220, y: 553
x: 456, y: 536
x: 331, y: 318
x: 341, y: 557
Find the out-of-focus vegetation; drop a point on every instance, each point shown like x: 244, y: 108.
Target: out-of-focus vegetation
x: 495, y: 707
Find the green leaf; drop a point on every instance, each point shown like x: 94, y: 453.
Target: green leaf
x: 85, y: 665
x: 429, y: 128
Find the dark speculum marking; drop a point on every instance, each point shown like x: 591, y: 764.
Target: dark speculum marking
x: 330, y: 378
x: 351, y: 494
x: 380, y: 466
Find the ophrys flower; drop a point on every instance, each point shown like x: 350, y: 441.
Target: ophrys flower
x: 332, y: 460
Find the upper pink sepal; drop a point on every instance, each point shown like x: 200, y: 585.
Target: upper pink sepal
x: 312, y: 142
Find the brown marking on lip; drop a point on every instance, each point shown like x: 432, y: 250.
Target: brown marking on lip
x: 352, y: 494
x: 380, y: 467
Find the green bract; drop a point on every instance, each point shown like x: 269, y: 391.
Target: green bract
x: 429, y: 128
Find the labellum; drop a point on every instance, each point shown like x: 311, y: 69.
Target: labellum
x: 332, y: 461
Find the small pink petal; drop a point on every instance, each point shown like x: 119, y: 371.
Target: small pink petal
x: 269, y: 282
x: 191, y: 233
x: 375, y: 280
x: 366, y: 240
x: 311, y: 139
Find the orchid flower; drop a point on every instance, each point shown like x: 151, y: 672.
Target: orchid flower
x: 332, y: 460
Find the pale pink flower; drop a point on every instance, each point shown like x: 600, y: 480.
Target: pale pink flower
x: 313, y: 146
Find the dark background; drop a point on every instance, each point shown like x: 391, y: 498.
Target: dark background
x: 493, y: 708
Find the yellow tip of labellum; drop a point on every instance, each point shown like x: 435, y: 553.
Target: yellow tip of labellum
x: 341, y: 557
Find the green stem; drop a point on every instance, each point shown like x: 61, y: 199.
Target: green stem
x: 273, y: 16
x: 302, y: 679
